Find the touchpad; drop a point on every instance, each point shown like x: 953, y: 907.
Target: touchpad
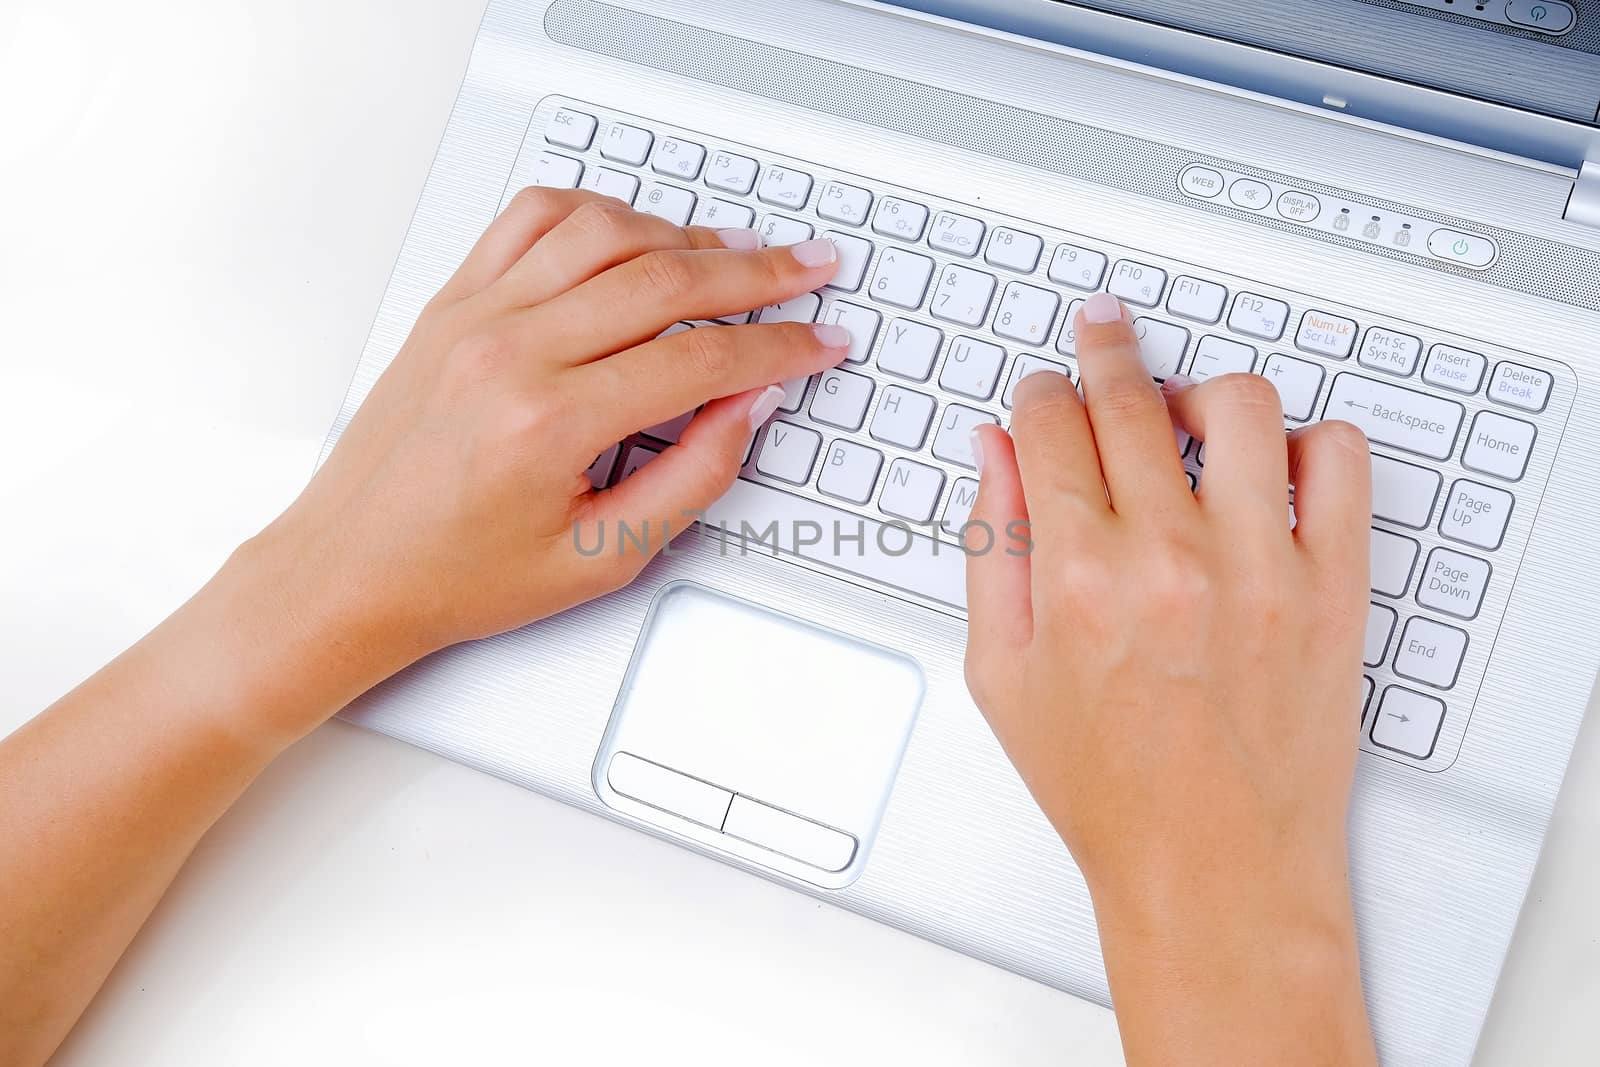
x: 758, y: 734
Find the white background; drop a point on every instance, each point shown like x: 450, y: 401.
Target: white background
x: 199, y: 207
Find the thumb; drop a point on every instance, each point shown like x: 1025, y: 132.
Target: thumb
x: 688, y: 477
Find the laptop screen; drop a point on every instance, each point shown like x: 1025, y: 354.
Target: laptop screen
x: 1429, y: 65
x: 1539, y: 55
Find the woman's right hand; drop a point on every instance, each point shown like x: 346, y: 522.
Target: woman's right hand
x: 1177, y: 676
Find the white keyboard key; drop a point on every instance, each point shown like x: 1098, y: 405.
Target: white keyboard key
x: 903, y: 417
x: 1453, y: 582
x: 1138, y: 283
x: 802, y: 308
x: 724, y: 215
x: 778, y: 230
x: 600, y: 470
x: 1326, y: 335
x: 1298, y: 382
x: 902, y: 277
x: 911, y: 490
x: 1067, y: 342
x: 1389, y: 351
x: 1454, y: 368
x: 1258, y: 316
x: 1519, y: 386
x: 731, y: 173
x: 1403, y: 492
x: 637, y: 457
x: 900, y: 218
x: 1014, y: 249
x: 556, y: 172
x: 1216, y: 356
x: 1430, y: 652
x: 1028, y: 364
x: 1408, y: 722
x: 1393, y: 558
x: 862, y: 323
x: 839, y: 202
x: 570, y: 129
x: 963, y: 295
x: 1026, y: 313
x: 1498, y: 445
x: 678, y: 159
x: 854, y: 255
x: 1162, y: 345
x: 1390, y: 415
x: 972, y: 368
x: 1380, y: 627
x: 953, y: 442
x: 670, y: 430
x: 627, y: 144
x: 1476, y: 514
x: 1081, y: 268
x: 788, y: 452
x: 909, y: 349
x: 1192, y: 298
x: 608, y: 182
x: 850, y: 471
x: 785, y: 187
x: 668, y: 202
x: 958, y: 509
x: 794, y: 392
x: 956, y: 233
x: 841, y: 399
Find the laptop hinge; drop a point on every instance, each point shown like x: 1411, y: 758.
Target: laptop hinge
x: 1584, y: 205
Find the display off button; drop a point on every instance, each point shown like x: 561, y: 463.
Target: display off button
x: 1467, y: 249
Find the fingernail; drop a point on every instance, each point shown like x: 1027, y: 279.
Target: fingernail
x: 740, y: 240
x: 817, y: 253
x: 1177, y: 383
x: 832, y: 335
x: 1102, y: 307
x: 977, y: 450
x: 765, y: 405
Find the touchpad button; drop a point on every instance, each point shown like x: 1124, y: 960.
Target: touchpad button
x: 759, y: 734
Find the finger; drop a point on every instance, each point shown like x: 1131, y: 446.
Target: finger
x: 1240, y: 419
x: 670, y: 491
x: 1132, y: 430
x: 634, y: 302
x: 999, y: 572
x: 530, y: 215
x: 1054, y: 447
x: 1331, y: 469
x: 664, y: 378
x: 594, y: 238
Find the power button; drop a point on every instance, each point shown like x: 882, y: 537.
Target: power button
x: 1469, y: 250
x: 1551, y: 16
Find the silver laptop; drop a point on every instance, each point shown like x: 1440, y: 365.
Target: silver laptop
x: 1389, y: 209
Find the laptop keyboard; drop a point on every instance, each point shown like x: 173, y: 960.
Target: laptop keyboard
x: 866, y: 471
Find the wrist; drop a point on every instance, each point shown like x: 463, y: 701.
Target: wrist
x: 289, y: 644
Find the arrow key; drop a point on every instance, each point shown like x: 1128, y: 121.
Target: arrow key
x: 1408, y: 722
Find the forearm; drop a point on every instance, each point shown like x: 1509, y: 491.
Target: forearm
x: 1245, y: 975
x: 103, y: 796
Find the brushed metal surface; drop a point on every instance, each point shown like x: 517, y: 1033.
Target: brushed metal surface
x: 1553, y: 75
x: 1439, y: 862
